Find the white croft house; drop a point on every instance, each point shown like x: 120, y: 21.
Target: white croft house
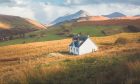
x: 81, y: 45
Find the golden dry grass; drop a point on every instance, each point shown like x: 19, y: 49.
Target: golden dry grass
x: 40, y: 48
x: 27, y: 56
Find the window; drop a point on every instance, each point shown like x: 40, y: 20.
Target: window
x: 77, y: 49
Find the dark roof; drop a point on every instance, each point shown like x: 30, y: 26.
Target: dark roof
x: 78, y: 40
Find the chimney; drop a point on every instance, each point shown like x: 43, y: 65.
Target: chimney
x: 78, y: 35
x: 88, y: 36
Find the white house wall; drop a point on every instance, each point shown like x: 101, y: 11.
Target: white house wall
x: 87, y: 47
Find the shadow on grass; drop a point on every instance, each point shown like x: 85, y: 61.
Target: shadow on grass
x: 90, y: 70
x: 66, y: 53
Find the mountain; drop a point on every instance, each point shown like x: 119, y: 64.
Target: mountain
x: 70, y: 17
x: 114, y: 15
x: 84, y: 16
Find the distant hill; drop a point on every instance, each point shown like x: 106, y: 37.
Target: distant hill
x: 37, y: 24
x: 118, y: 22
x: 18, y: 22
x: 11, y: 26
x: 129, y: 17
x: 92, y: 18
x: 115, y: 15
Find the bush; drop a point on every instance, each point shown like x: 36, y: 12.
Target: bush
x: 32, y: 35
x: 138, y: 40
x: 121, y: 41
x: 133, y: 28
x: 70, y: 35
x: 60, y: 33
x: 23, y: 42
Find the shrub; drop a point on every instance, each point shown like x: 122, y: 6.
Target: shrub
x: 70, y: 35
x: 32, y: 35
x: 133, y: 28
x: 60, y: 33
x: 23, y: 42
x: 121, y: 41
x: 138, y: 40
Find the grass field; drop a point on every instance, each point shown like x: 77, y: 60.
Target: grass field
x: 49, y: 62
x: 51, y: 34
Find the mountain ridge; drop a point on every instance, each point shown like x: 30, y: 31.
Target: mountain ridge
x: 69, y: 17
x: 115, y: 15
x: 82, y: 15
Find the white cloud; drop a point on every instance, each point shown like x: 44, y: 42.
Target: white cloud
x: 55, y: 11
x: 101, y: 9
x: 69, y: 2
x: 85, y: 2
x: 17, y: 11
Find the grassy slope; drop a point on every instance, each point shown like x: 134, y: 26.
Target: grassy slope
x: 95, y: 30
x: 111, y: 64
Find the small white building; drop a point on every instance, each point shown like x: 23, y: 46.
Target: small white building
x: 82, y: 45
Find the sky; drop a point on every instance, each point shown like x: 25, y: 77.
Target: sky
x: 46, y: 11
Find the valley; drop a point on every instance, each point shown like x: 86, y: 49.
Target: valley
x: 34, y: 53
x: 68, y: 29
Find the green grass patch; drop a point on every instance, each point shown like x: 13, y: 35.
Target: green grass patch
x: 94, y: 30
x: 51, y: 34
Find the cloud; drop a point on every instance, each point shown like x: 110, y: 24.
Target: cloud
x: 83, y: 2
x: 72, y: 2
x: 55, y: 11
x: 5, y: 1
x: 39, y: 11
x: 46, y: 11
x: 17, y: 11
